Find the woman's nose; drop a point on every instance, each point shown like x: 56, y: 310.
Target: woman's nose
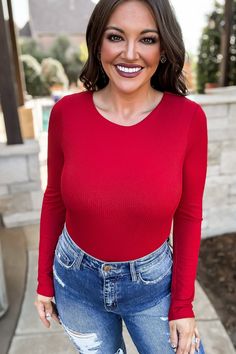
x: 130, y: 51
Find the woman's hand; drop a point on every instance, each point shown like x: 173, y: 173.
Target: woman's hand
x: 184, y: 336
x: 46, y: 309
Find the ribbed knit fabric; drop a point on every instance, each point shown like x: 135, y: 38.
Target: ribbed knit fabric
x: 118, y: 187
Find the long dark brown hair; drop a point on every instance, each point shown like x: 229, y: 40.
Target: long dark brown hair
x: 168, y: 76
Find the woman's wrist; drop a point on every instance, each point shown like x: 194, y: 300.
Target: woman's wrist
x: 44, y: 298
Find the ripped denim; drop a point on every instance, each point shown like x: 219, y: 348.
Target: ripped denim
x: 93, y: 297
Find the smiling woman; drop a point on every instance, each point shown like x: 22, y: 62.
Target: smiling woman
x: 128, y: 50
x: 162, y: 37
x: 125, y: 158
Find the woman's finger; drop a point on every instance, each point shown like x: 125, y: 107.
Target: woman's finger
x: 193, y: 345
x: 173, y: 336
x: 197, y: 336
x: 184, y: 342
x: 190, y: 344
x: 45, y: 311
x: 48, y: 313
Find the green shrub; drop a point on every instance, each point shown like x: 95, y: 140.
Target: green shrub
x: 31, y: 47
x: 35, y: 86
x: 59, y: 50
x: 53, y: 73
x: 73, y: 67
x: 71, y: 58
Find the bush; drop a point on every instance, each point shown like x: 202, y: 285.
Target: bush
x: 59, y: 50
x: 73, y: 67
x: 53, y: 73
x: 31, y: 47
x: 35, y: 86
x: 71, y: 58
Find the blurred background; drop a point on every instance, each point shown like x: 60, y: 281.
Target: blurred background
x: 43, y: 49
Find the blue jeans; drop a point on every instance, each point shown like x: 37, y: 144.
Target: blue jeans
x: 93, y: 296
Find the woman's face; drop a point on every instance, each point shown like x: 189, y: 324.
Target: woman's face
x: 130, y: 48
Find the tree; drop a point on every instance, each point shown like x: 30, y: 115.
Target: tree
x: 209, y: 53
x: 232, y: 49
x: 210, y: 56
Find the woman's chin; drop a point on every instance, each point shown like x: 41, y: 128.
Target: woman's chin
x: 127, y: 87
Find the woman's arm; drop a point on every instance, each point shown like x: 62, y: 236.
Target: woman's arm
x: 188, y: 218
x: 186, y: 238
x: 53, y: 209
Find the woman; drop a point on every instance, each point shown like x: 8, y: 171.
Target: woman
x: 125, y: 157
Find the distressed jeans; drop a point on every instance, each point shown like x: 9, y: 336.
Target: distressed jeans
x: 93, y: 297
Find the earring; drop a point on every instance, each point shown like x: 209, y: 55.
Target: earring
x: 163, y: 58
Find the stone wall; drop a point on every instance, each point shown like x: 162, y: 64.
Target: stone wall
x: 20, y: 183
x: 220, y: 192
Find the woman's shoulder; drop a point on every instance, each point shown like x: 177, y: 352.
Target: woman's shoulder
x: 186, y: 101
x: 70, y: 106
x: 184, y: 105
x: 72, y: 99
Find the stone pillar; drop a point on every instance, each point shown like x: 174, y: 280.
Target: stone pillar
x: 20, y: 184
x: 220, y: 192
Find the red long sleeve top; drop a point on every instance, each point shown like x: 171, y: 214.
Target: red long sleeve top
x: 118, y: 187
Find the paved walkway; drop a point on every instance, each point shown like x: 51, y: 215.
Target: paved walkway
x: 30, y: 337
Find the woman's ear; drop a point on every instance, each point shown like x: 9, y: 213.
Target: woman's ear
x: 162, y: 51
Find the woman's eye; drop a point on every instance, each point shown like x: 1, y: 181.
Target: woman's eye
x: 149, y: 40
x: 114, y: 38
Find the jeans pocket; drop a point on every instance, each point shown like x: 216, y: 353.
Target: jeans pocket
x: 64, y: 254
x: 157, y: 269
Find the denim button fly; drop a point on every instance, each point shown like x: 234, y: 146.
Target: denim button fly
x: 106, y: 268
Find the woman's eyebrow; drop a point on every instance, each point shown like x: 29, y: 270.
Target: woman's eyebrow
x: 120, y: 30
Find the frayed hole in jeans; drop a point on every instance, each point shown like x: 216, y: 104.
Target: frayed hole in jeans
x: 85, y: 342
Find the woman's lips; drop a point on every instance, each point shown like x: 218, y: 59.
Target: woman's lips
x: 128, y: 71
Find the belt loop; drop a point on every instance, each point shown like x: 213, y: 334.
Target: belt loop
x: 133, y: 272
x: 80, y: 258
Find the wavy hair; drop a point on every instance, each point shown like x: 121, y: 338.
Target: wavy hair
x: 168, y: 76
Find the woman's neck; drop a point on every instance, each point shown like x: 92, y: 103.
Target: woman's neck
x: 125, y: 105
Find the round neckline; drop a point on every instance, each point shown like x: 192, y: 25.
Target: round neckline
x: 109, y: 122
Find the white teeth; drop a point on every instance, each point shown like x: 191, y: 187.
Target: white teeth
x: 128, y: 70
